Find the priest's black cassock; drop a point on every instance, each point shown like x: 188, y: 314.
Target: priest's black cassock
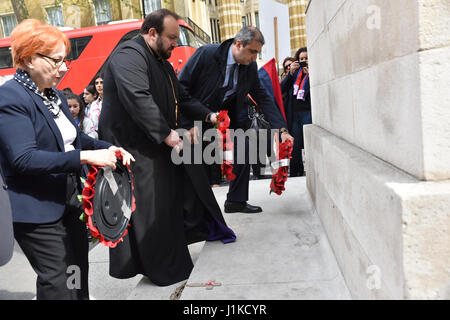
x: 174, y: 204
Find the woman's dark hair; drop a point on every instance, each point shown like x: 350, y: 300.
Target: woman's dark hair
x: 287, y: 59
x: 156, y: 20
x: 66, y: 91
x: 99, y: 75
x: 299, y: 51
x: 284, y: 61
x: 81, y: 114
x: 91, y: 89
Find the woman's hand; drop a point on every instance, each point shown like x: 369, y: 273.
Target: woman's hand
x: 294, y: 67
x: 101, y: 158
x: 126, y: 156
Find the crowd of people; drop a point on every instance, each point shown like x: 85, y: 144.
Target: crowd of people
x: 135, y: 107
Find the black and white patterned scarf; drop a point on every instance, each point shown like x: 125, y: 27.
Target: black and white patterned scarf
x: 49, y: 97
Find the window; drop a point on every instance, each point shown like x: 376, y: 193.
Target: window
x: 102, y: 12
x: 77, y: 46
x: 244, y: 21
x: 9, y: 22
x: 55, y: 16
x: 188, y: 38
x: 130, y: 35
x: 215, y: 34
x: 5, y: 58
x: 151, y: 5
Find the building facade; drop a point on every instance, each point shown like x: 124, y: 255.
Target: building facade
x: 84, y: 13
x: 214, y: 20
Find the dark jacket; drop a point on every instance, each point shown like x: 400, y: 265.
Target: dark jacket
x: 32, y: 154
x: 290, y: 102
x: 204, y: 74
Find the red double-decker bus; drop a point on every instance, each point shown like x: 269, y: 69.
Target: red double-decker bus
x: 92, y: 46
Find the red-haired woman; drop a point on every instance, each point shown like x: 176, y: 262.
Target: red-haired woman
x: 41, y: 154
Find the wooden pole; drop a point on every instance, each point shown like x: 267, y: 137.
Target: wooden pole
x: 275, y: 25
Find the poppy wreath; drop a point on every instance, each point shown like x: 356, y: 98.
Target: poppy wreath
x: 280, y: 174
x: 87, y: 198
x: 222, y: 126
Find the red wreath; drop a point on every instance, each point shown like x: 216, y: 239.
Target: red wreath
x: 222, y: 125
x: 88, y: 195
x: 280, y: 174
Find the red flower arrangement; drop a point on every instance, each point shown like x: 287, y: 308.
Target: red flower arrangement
x: 222, y: 126
x: 280, y: 174
x: 88, y: 195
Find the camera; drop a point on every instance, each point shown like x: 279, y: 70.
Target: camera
x: 303, y: 64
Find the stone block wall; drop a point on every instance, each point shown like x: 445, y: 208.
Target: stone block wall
x: 378, y: 152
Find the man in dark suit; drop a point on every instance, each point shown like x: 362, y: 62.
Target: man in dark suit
x: 6, y: 226
x: 221, y: 77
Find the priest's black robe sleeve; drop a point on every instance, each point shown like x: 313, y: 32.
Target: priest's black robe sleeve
x: 130, y: 71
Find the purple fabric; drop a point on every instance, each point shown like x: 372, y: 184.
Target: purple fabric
x: 219, y: 231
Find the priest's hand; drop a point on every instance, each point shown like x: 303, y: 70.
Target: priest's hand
x: 126, y: 156
x: 212, y: 117
x: 101, y: 158
x: 192, y: 135
x: 173, y: 139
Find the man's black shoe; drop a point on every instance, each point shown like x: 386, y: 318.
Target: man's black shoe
x: 231, y: 207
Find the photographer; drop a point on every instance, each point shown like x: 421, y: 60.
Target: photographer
x: 297, y: 106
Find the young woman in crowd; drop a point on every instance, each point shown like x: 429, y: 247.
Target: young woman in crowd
x: 89, y: 96
x: 77, y: 109
x: 96, y: 106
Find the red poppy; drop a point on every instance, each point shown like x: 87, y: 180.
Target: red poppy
x: 222, y: 125
x: 280, y: 174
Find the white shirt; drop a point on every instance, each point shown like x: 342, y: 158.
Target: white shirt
x: 230, y: 63
x: 68, y: 131
x: 94, y: 112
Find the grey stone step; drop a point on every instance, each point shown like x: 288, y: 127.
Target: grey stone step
x: 17, y: 278
x: 281, y: 253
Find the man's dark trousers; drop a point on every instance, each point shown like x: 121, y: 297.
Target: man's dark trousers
x: 238, y: 190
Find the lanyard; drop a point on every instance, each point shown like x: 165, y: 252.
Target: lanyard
x: 302, y: 86
x: 297, y: 84
x: 299, y: 77
x: 176, y: 101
